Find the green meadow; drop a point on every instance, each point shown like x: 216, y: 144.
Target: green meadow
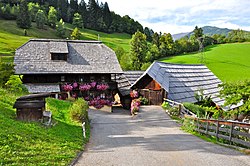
x: 229, y: 62
x: 12, y: 37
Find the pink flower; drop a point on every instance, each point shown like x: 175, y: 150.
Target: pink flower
x: 102, y: 87
x: 84, y: 87
x: 75, y: 85
x: 67, y: 87
x: 93, y: 84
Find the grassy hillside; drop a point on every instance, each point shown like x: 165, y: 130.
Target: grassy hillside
x: 23, y: 143
x: 229, y: 62
x: 11, y: 37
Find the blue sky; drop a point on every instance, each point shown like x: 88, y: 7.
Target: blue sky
x: 176, y: 16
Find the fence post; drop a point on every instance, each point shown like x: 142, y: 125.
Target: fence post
x: 207, y: 128
x: 179, y: 109
x: 217, y: 130
x: 198, y: 126
x: 231, y: 133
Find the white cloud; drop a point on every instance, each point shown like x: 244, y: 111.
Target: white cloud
x: 183, y: 15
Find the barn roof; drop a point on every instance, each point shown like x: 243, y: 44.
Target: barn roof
x: 34, y: 57
x: 126, y: 79
x: 182, y: 81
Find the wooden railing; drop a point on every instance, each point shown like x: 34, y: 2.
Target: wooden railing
x: 182, y: 109
x: 233, y: 132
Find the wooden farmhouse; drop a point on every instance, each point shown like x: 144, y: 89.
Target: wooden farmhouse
x: 177, y: 82
x: 47, y: 65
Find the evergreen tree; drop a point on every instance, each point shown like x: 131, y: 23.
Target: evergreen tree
x: 62, y: 8
x: 75, y: 35
x: 83, y: 12
x: 107, y: 16
x: 77, y: 20
x: 40, y: 19
x: 23, y: 17
x: 138, y: 50
x: 198, y: 32
x: 94, y: 12
x: 52, y: 17
x: 148, y: 32
x: 60, y: 29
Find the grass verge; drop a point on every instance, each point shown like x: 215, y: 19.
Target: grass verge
x: 30, y: 143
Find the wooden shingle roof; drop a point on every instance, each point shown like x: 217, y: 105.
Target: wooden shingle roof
x: 34, y: 57
x: 182, y: 81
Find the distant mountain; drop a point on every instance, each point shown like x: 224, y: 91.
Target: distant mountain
x: 207, y: 30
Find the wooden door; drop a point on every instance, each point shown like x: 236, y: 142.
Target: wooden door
x: 155, y: 97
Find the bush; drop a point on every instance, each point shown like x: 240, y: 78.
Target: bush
x: 196, y: 109
x: 174, y: 111
x: 14, y: 84
x: 78, y: 111
x: 144, y: 101
x: 165, y: 105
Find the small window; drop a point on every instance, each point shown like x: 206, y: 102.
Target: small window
x: 103, y: 79
x: 62, y: 78
x: 92, y: 78
x: 58, y: 56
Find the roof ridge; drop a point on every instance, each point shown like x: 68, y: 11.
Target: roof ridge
x: 65, y: 40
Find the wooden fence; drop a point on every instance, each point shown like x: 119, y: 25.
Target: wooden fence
x: 233, y: 132
x: 182, y: 109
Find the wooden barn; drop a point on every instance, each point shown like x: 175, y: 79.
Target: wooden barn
x: 177, y: 82
x: 48, y: 64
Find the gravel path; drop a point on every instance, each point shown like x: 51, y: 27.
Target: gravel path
x: 150, y: 139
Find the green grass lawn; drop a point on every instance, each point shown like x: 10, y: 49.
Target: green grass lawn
x: 12, y: 37
x: 31, y: 143
x: 229, y: 62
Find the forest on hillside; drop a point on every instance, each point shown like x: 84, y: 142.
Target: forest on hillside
x: 145, y: 46
x: 93, y: 15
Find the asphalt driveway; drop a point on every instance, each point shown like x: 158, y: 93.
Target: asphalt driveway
x: 150, y: 139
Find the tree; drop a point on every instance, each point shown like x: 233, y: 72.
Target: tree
x: 33, y: 9
x: 75, y: 35
x: 138, y: 50
x: 6, y: 70
x: 235, y: 93
x: 156, y: 39
x: 198, y: 32
x: 23, y: 17
x: 77, y: 20
x: 40, y: 19
x: 107, y: 16
x: 148, y: 32
x: 82, y: 9
x: 94, y: 12
x: 52, y: 17
x: 60, y: 29
x: 62, y: 8
x: 119, y: 51
x: 166, y: 45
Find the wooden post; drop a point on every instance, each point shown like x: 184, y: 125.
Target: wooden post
x: 198, y: 126
x: 217, y: 130
x: 231, y: 133
x: 207, y: 128
x: 179, y: 109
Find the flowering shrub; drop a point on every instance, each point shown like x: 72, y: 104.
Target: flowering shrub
x: 75, y: 85
x: 84, y: 87
x: 102, y: 87
x: 133, y: 94
x: 93, y: 84
x: 135, y: 105
x: 67, y: 87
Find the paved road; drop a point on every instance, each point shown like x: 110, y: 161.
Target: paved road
x: 150, y: 139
